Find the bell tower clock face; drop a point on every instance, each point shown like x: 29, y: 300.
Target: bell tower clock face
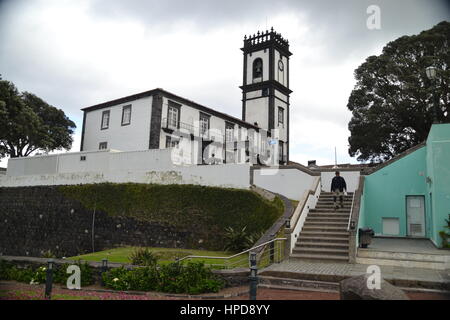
x: 280, y: 65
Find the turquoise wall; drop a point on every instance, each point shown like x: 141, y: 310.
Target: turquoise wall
x: 438, y: 171
x: 424, y: 172
x: 385, y: 191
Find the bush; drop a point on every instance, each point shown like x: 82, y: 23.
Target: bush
x: 87, y: 274
x: 240, y: 240
x: 143, y: 257
x: 38, y: 275
x: 192, y: 278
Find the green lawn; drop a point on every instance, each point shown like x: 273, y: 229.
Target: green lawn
x: 166, y: 255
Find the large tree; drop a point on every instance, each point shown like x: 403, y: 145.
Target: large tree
x: 28, y: 124
x: 392, y: 102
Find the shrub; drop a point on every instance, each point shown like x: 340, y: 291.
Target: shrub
x: 87, y: 274
x: 192, y: 278
x: 240, y: 240
x: 38, y: 275
x: 143, y: 257
x: 48, y: 254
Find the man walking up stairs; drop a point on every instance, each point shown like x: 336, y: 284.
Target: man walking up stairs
x: 338, y: 187
x: 324, y: 235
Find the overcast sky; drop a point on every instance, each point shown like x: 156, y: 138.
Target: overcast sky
x: 78, y: 53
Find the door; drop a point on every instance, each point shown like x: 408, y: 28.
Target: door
x: 415, y: 216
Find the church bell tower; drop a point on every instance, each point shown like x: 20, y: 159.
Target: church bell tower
x: 265, y: 88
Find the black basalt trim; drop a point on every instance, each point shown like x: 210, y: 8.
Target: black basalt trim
x: 155, y: 122
x: 82, y: 131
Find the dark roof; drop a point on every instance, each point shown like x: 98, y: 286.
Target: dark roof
x: 173, y: 97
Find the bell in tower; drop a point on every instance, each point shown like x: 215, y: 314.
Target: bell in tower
x: 265, y: 88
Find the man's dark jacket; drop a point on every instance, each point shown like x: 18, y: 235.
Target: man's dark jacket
x: 338, y: 183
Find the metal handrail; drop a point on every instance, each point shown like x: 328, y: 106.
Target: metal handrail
x: 351, y: 211
x: 235, y: 255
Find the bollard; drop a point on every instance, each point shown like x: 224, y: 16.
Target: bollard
x: 253, y: 276
x: 49, y: 279
x: 103, y: 269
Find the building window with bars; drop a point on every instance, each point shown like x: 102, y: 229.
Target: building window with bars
x: 126, y: 115
x: 103, y: 146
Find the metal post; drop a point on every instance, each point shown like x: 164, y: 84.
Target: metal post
x: 49, y: 279
x: 271, y: 251
x: 103, y: 269
x: 253, y: 276
x: 435, y: 102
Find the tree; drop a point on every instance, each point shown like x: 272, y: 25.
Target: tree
x: 28, y: 123
x: 392, y: 102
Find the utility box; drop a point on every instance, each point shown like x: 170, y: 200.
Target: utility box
x: 365, y: 236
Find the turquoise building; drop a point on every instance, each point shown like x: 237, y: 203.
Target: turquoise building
x: 409, y: 196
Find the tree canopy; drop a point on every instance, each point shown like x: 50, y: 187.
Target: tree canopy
x: 28, y: 124
x: 392, y: 102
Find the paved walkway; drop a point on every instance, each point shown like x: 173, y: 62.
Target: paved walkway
x: 348, y: 270
x: 423, y: 246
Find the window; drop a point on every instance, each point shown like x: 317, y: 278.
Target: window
x: 105, y: 120
x: 229, y: 132
x: 280, y: 116
x: 204, y: 124
x: 103, y: 145
x: 257, y: 70
x: 171, y: 142
x: 126, y: 115
x: 173, y: 117
x: 280, y: 151
x: 82, y: 158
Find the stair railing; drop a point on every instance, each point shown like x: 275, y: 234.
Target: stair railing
x: 354, y: 219
x: 274, y: 253
x: 308, y: 201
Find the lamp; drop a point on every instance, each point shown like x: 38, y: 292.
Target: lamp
x: 431, y: 72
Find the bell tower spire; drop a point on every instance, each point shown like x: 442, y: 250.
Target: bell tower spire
x: 265, y: 87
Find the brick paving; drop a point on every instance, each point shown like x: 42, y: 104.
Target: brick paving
x: 347, y: 269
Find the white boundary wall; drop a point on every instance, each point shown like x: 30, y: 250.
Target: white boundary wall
x: 149, y: 166
x: 351, y: 179
x: 291, y: 183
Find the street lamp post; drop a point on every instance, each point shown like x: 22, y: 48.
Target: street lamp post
x: 431, y: 74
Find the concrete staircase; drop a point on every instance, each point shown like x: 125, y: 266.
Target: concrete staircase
x: 324, y: 236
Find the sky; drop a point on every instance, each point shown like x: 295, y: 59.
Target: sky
x: 78, y: 53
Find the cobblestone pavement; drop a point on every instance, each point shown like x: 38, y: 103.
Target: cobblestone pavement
x: 347, y: 269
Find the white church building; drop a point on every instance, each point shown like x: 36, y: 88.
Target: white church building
x: 159, y: 137
x: 158, y: 119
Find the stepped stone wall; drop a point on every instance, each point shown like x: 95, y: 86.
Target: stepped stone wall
x: 37, y: 219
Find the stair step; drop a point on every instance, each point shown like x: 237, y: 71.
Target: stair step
x: 325, y: 228
x: 327, y: 210
x: 297, y: 284
x: 328, y: 215
x: 325, y: 219
x: 321, y: 244
x: 318, y: 257
x: 324, y: 239
x: 333, y: 234
x: 343, y: 224
x: 327, y: 251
